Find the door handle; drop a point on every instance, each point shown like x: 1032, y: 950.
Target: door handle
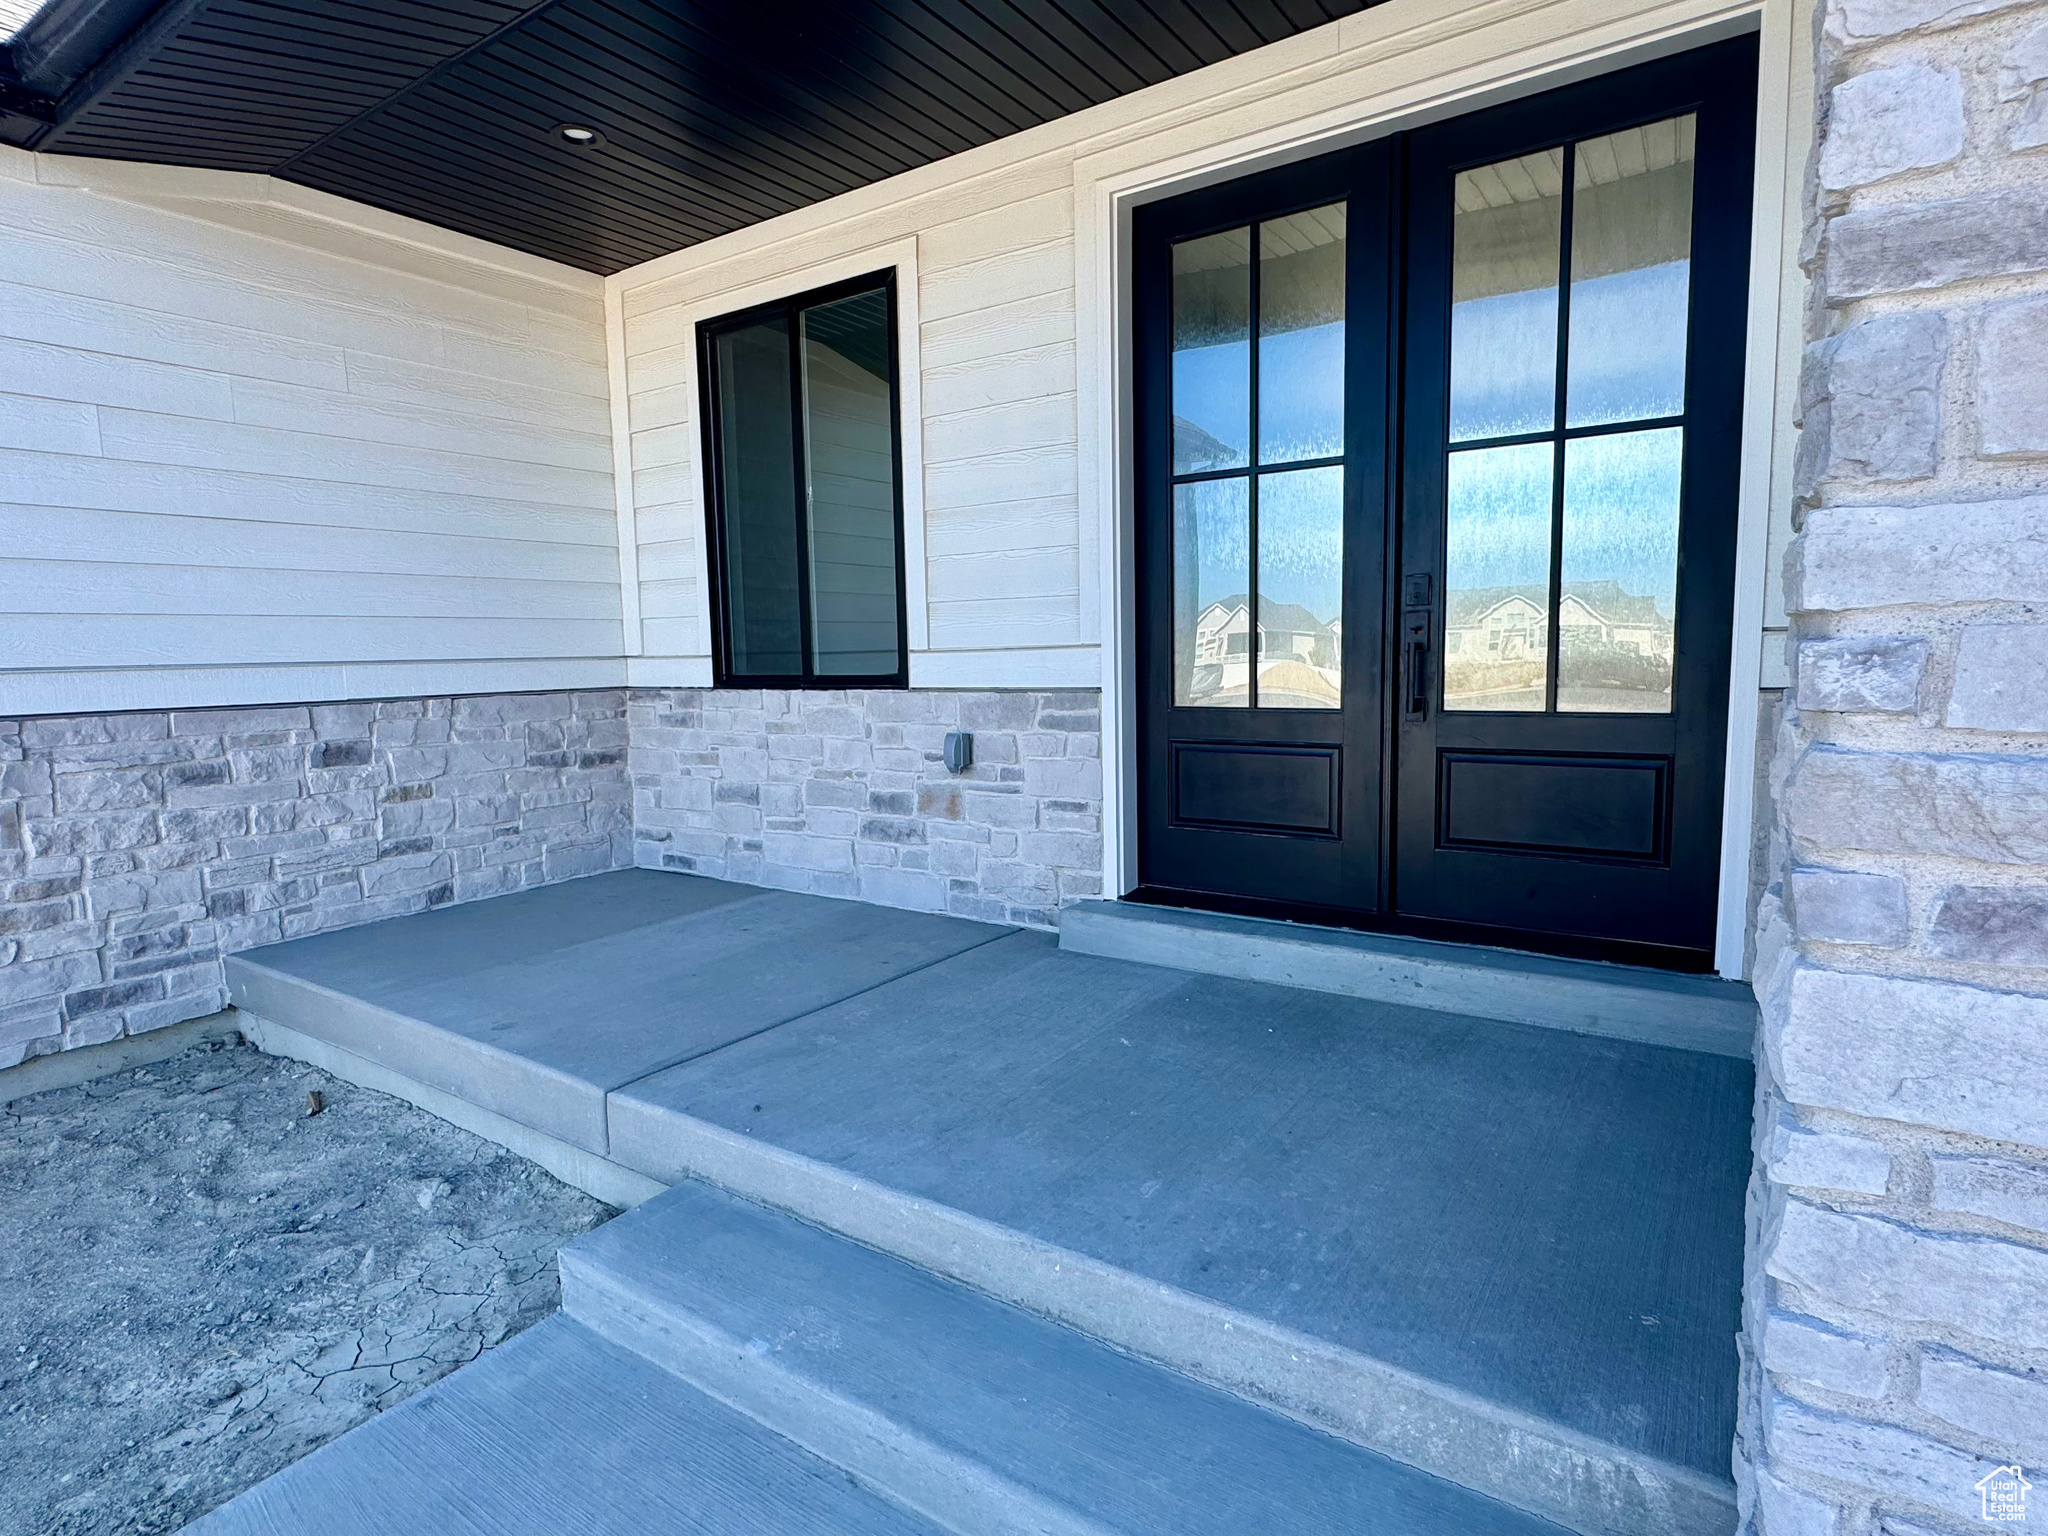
x: 1415, y: 663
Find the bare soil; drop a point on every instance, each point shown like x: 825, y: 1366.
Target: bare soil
x: 200, y: 1281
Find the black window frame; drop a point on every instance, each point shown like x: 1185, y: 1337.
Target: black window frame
x: 718, y: 568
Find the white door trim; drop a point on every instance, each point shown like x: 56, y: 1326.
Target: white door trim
x: 1404, y: 63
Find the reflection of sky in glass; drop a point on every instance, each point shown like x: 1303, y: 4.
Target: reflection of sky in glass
x: 1621, y: 513
x: 1301, y: 540
x: 1212, y: 403
x: 1503, y: 364
x: 1497, y: 522
x: 1627, y: 354
x: 1301, y: 394
x: 1628, y: 345
x: 1212, y: 522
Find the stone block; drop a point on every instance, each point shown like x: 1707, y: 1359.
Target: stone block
x: 903, y: 888
x: 2003, y: 1407
x: 92, y: 730
x: 1875, y: 557
x: 566, y: 861
x: 2001, y: 679
x: 1994, y: 1290
x: 92, y: 834
x: 1785, y: 1510
x: 34, y: 981
x: 2000, y: 925
x: 1069, y: 850
x: 1841, y: 906
x: 1887, y: 121
x: 2023, y: 78
x: 2012, y: 385
x: 1932, y: 1053
x: 241, y: 722
x: 799, y: 850
x: 1810, y: 1350
x: 1902, y: 247
x: 1989, y: 808
x: 1862, y: 676
x: 26, y: 781
x: 404, y: 876
x: 993, y: 808
x: 1064, y: 778
x: 1871, y: 401
x: 1827, y: 1160
x: 1866, y: 21
x: 1891, y: 1460
x: 2012, y: 1192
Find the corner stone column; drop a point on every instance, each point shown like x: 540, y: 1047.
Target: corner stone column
x: 1895, y: 1348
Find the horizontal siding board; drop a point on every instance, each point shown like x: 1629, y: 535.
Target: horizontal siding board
x: 119, y: 640
x: 175, y: 491
x: 669, y: 598
x: 150, y: 438
x: 34, y: 588
x: 662, y: 446
x: 63, y: 426
x: 673, y: 637
x: 997, y: 330
x: 667, y: 406
x: 128, y: 330
x: 325, y: 413
x: 1000, y: 379
x: 396, y: 382
x: 66, y: 533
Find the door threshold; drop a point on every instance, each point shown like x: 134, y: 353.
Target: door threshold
x: 1627, y: 1002
x: 1684, y: 960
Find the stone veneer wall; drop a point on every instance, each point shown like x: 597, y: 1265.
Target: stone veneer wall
x: 847, y: 794
x: 1896, y: 1348
x: 137, y: 849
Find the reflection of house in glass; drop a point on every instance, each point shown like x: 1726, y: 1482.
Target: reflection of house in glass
x: 1615, y: 650
x: 1299, y: 656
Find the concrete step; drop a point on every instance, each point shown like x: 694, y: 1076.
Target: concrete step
x: 560, y: 1431
x: 981, y: 1417
x: 1698, y: 1013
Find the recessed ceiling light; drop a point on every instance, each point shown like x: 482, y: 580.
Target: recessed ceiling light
x: 576, y: 136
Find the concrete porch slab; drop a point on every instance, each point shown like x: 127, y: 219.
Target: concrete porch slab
x: 1508, y: 1255
x: 535, y: 1005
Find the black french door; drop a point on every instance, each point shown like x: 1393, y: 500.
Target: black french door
x: 1436, y: 519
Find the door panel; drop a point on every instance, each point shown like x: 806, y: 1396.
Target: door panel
x: 1262, y: 397
x: 1576, y: 274
x: 1436, y: 512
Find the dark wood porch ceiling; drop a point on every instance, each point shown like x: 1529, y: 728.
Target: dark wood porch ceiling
x: 712, y: 116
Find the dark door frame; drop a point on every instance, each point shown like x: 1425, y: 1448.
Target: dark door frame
x: 1739, y: 54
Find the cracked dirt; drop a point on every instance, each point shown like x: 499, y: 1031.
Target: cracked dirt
x: 200, y: 1282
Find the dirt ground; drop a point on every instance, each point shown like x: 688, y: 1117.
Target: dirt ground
x: 200, y: 1282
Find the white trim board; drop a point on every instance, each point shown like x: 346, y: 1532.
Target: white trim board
x: 1404, y: 64
x: 117, y: 690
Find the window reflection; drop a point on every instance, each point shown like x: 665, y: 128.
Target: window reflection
x: 1497, y: 578
x: 1631, y: 273
x: 1616, y: 618
x: 1507, y: 227
x: 1212, y: 632
x: 1301, y: 336
x: 1212, y: 379
x: 1301, y: 589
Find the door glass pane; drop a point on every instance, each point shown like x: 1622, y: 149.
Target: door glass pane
x: 1212, y: 635
x: 1301, y: 336
x: 1504, y: 265
x: 1631, y: 272
x: 1301, y: 589
x: 1212, y: 373
x: 1497, y: 578
x: 849, y: 456
x: 758, y: 479
x: 1616, y: 615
